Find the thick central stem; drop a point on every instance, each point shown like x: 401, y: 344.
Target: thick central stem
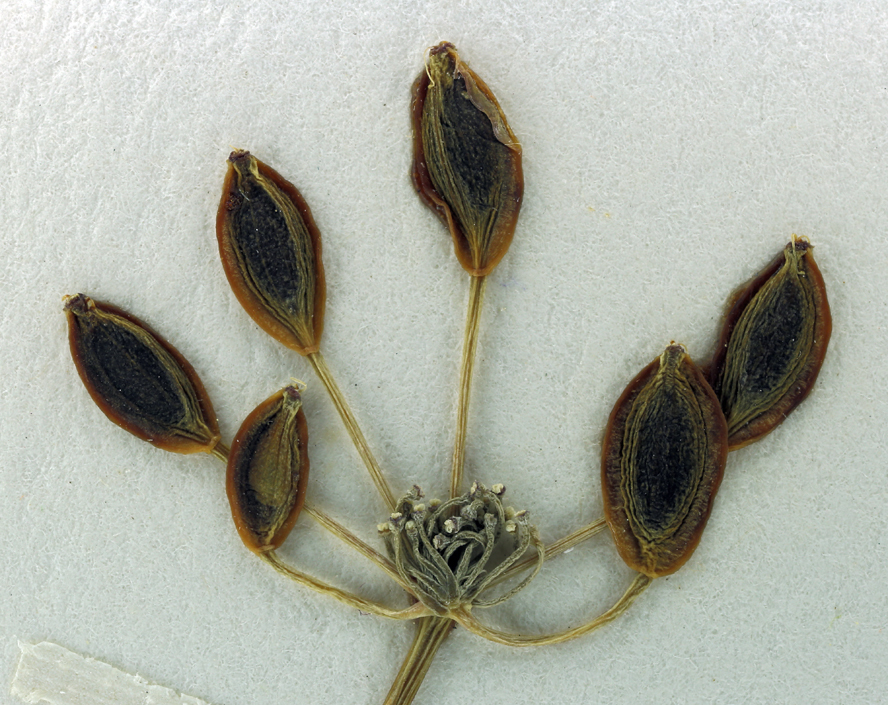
x: 470, y: 344
x: 430, y: 634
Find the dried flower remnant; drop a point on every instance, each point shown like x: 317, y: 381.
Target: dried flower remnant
x: 271, y: 252
x: 467, y: 161
x: 772, y: 344
x: 268, y: 471
x: 663, y: 458
x: 452, y: 552
x: 140, y: 381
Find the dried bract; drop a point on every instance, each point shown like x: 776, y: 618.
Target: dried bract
x: 140, y: 381
x: 772, y: 344
x: 271, y: 252
x: 467, y: 161
x: 663, y: 458
x: 268, y: 471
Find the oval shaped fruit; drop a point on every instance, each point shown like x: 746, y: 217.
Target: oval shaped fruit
x: 271, y: 252
x: 663, y: 458
x: 772, y: 344
x: 268, y: 471
x: 140, y: 381
x: 466, y: 159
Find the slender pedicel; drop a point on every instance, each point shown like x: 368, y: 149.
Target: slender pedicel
x: 466, y: 368
x: 351, y: 426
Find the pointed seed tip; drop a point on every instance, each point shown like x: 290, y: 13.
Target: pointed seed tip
x: 78, y: 303
x: 292, y: 392
x: 800, y: 243
x: 441, y: 47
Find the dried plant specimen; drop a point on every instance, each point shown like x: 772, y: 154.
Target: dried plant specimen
x: 772, y: 344
x: 140, y: 381
x: 271, y: 252
x: 663, y: 458
x: 467, y: 161
x: 665, y: 444
x: 268, y: 471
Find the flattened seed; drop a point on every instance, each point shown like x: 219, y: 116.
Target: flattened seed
x: 268, y: 471
x: 140, y: 381
x: 663, y: 458
x: 467, y: 161
x: 772, y: 344
x: 271, y: 253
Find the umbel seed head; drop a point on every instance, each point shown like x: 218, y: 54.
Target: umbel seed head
x: 451, y: 552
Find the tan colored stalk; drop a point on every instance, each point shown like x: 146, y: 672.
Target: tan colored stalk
x: 576, y: 538
x: 351, y: 425
x: 338, y: 530
x: 464, y: 616
x: 554, y: 549
x: 430, y: 634
x: 416, y: 611
x: 221, y: 451
x: 470, y: 344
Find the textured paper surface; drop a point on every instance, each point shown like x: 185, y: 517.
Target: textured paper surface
x: 49, y: 673
x: 671, y: 149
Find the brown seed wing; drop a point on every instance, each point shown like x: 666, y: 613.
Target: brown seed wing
x: 663, y: 458
x: 268, y: 471
x: 271, y: 253
x: 140, y: 381
x: 467, y: 162
x: 772, y: 345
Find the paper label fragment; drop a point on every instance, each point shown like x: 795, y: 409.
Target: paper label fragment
x: 49, y: 673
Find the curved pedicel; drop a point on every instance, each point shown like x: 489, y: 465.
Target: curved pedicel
x: 662, y: 461
x: 140, y: 381
x: 271, y: 252
x: 772, y: 344
x: 466, y: 159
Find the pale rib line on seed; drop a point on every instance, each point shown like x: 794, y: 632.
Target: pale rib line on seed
x: 470, y: 345
x: 351, y: 425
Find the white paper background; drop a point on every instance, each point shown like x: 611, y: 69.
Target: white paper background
x: 670, y: 151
